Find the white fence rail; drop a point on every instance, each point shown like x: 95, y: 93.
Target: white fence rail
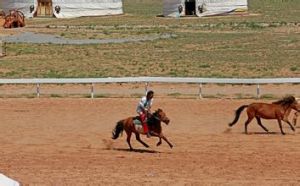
x: 147, y: 80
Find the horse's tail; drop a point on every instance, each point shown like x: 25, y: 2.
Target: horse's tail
x: 117, y: 130
x: 237, y: 114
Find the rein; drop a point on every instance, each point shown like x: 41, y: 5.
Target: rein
x: 155, y: 117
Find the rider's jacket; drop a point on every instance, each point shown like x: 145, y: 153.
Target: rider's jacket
x: 144, y: 104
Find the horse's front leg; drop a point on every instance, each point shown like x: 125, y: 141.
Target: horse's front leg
x: 280, y: 126
x: 159, y: 142
x: 288, y: 122
x: 163, y: 137
x: 295, y: 118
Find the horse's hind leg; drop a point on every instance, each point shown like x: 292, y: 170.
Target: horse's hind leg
x: 138, y: 138
x: 260, y: 124
x: 247, y: 123
x: 128, y: 139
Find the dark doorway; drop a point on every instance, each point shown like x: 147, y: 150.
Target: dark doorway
x: 44, y: 8
x: 190, y: 7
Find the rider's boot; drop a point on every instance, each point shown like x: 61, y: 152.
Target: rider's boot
x: 146, y: 130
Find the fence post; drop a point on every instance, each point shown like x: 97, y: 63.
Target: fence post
x: 200, y: 91
x: 146, y: 87
x: 257, y: 91
x: 38, y: 90
x: 92, y: 91
x: 2, y: 49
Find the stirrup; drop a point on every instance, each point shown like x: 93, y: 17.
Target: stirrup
x: 148, y: 134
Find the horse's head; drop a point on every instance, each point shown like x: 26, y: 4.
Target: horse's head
x: 289, y: 102
x: 292, y: 102
x: 162, y: 116
x: 297, y: 105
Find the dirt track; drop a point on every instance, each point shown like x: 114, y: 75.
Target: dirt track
x: 67, y: 142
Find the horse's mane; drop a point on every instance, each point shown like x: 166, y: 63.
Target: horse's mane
x: 155, y: 114
x: 153, y: 118
x: 157, y: 111
x: 285, y: 101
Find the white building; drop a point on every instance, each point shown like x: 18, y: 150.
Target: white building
x: 64, y: 8
x: 177, y: 8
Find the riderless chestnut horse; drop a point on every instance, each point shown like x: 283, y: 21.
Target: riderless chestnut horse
x: 133, y: 125
x: 279, y: 110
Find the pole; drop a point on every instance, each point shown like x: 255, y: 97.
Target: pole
x: 200, y: 91
x: 38, y: 90
x: 146, y: 87
x: 92, y: 91
x: 257, y: 92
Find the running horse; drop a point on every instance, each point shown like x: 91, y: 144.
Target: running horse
x: 278, y: 110
x: 133, y: 125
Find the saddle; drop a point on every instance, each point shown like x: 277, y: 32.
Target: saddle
x: 137, y: 120
x: 138, y: 125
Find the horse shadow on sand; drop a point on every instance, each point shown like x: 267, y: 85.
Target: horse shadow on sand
x: 262, y: 133
x: 136, y: 150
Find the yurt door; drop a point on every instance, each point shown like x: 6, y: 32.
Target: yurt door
x: 44, y: 8
x: 190, y: 7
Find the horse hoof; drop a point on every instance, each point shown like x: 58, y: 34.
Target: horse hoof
x: 158, y: 144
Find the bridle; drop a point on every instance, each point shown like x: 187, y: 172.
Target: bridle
x: 155, y: 117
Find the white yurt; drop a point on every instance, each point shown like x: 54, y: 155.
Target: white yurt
x: 6, y: 181
x: 64, y: 8
x: 201, y: 8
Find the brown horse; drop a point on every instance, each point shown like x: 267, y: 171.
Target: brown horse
x: 279, y: 110
x: 130, y: 126
x: 14, y: 19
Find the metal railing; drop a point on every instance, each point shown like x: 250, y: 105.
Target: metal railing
x: 147, y: 80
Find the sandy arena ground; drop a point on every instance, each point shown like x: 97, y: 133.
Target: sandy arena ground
x: 68, y: 142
